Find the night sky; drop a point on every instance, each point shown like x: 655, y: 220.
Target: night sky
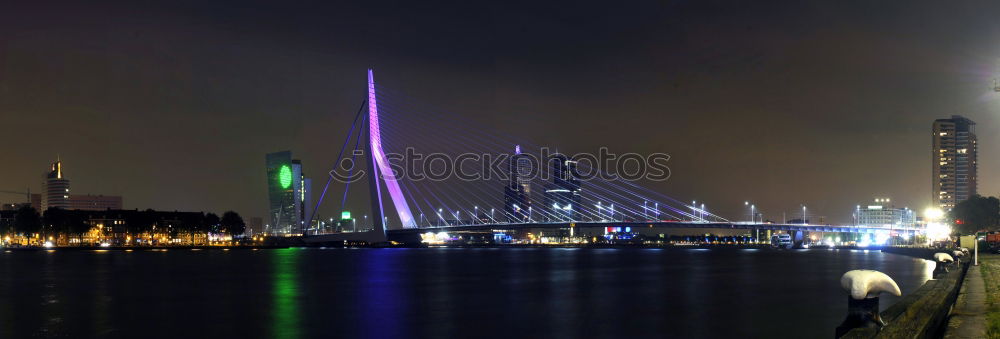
x: 173, y: 106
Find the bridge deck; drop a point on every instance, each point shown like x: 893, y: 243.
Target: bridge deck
x: 654, y: 224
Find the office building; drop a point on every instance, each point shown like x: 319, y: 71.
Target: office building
x: 562, y: 196
x: 289, y: 193
x: 55, y: 188
x: 882, y: 213
x: 953, y: 161
x: 87, y: 202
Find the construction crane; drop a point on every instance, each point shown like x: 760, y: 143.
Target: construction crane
x: 27, y: 194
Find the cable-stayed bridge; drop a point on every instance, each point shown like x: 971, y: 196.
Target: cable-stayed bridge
x: 430, y: 171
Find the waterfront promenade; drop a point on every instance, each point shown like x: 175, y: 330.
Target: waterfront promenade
x: 977, y: 312
x: 968, y: 318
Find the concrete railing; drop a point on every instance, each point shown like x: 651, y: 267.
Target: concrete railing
x: 914, y: 251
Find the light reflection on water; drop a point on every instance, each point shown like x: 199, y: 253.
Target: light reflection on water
x: 286, y: 293
x: 50, y: 308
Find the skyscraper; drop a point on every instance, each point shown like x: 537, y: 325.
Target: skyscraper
x: 56, y: 188
x: 953, y: 161
x: 303, y: 195
x: 521, y: 170
x: 517, y: 192
x: 562, y: 196
x: 289, y: 193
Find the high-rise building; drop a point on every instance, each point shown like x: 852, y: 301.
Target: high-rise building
x: 953, y: 161
x: 517, y: 191
x: 882, y: 213
x: 303, y: 195
x: 289, y: 193
x: 55, y: 188
x: 521, y: 170
x: 562, y: 196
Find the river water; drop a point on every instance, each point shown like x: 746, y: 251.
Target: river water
x: 435, y: 293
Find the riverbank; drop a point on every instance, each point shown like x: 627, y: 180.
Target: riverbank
x: 140, y: 248
x: 916, y: 252
x: 422, y: 245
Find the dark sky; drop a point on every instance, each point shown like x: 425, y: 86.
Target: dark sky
x: 827, y: 103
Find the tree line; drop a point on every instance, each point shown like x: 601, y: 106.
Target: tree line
x: 976, y: 214
x: 57, y: 221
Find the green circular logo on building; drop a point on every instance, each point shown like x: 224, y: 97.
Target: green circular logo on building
x: 285, y: 176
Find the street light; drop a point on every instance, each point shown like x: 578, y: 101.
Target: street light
x: 475, y: 213
x: 804, y: 215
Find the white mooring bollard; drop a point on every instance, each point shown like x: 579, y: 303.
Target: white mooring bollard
x: 863, y: 288
x: 943, y: 260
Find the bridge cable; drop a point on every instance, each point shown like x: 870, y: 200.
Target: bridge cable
x: 339, y: 157
x: 354, y: 155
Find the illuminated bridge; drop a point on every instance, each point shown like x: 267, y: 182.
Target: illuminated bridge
x: 445, y: 196
x: 654, y: 224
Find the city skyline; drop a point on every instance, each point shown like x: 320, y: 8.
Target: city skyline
x: 785, y: 149
x: 360, y: 169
